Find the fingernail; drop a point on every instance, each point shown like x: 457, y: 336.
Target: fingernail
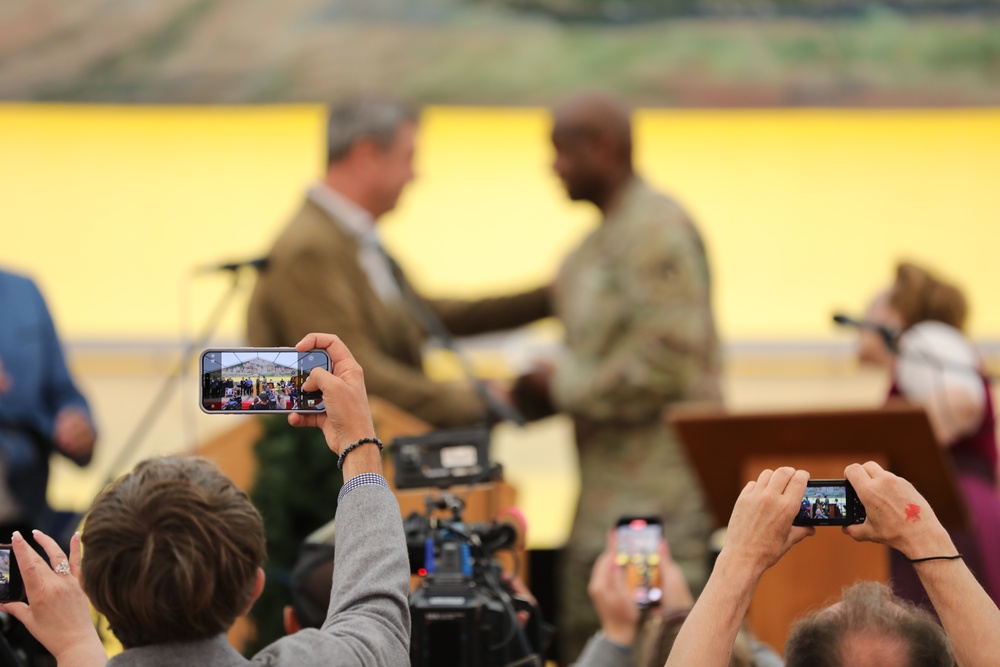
x: 17, y: 535
x: 35, y: 531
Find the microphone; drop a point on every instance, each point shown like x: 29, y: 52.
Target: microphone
x: 887, y: 335
x: 260, y: 263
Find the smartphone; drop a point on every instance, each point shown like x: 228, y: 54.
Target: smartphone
x: 639, y: 554
x: 11, y: 587
x: 830, y: 502
x: 262, y: 380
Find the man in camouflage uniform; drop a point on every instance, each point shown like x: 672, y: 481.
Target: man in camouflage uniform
x: 636, y: 304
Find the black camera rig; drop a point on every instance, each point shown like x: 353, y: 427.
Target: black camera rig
x: 464, y: 614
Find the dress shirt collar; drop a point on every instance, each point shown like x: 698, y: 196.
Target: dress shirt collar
x: 351, y: 217
x: 359, y: 224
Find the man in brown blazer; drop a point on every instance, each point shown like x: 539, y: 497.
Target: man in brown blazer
x: 328, y: 272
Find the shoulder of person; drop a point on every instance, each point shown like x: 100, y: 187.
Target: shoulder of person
x: 935, y: 356
x: 312, y: 231
x: 17, y: 281
x: 653, y: 210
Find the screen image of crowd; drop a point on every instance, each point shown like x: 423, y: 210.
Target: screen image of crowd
x: 256, y: 383
x: 824, y: 502
x: 4, y: 573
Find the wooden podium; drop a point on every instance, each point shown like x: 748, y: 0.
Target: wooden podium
x: 729, y: 450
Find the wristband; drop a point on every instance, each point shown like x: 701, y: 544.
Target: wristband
x: 921, y: 560
x: 354, y: 445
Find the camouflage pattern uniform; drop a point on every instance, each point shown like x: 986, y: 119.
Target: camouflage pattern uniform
x: 635, y: 301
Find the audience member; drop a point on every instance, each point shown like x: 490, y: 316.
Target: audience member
x: 635, y: 300
x: 41, y: 411
x: 174, y: 549
x: 870, y: 621
x: 761, y: 532
x: 308, y: 581
x: 938, y: 367
x: 616, y: 644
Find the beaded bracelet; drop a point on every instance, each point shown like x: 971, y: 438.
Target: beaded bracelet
x: 354, y: 445
x: 921, y: 560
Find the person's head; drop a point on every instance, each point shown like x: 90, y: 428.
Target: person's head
x: 917, y: 295
x: 310, y: 586
x: 660, y: 633
x: 869, y: 627
x: 173, y: 552
x: 592, y: 137
x: 370, y: 146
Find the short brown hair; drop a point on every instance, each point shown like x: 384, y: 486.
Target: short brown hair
x: 659, y: 634
x: 171, y: 552
x: 866, y: 608
x: 919, y: 295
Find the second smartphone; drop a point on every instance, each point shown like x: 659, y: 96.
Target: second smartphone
x: 259, y: 379
x: 638, y: 540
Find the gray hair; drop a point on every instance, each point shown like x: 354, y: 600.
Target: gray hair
x: 374, y: 118
x: 867, y: 608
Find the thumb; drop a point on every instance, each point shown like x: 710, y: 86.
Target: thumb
x: 18, y: 610
x: 860, y: 532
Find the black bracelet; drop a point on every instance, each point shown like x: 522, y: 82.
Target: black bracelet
x: 354, y: 445
x: 921, y: 560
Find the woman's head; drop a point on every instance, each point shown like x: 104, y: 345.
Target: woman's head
x: 171, y: 552
x: 918, y: 295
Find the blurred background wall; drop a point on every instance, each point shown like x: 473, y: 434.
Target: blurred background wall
x: 804, y: 211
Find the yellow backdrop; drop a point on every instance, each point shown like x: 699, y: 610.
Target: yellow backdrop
x: 804, y: 211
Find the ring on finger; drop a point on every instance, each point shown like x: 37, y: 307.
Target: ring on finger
x: 62, y: 567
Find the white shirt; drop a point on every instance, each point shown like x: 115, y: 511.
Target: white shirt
x: 935, y: 357
x: 360, y: 224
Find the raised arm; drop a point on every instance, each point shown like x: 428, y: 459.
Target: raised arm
x: 899, y: 517
x: 368, y: 622
x: 760, y: 532
x: 466, y: 318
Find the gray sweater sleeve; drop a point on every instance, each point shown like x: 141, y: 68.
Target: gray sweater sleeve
x: 368, y: 623
x: 599, y: 652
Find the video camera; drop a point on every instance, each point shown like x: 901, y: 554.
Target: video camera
x: 463, y: 612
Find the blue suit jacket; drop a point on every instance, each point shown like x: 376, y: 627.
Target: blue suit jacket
x: 41, y: 386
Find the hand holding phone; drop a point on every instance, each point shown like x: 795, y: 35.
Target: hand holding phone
x: 638, y: 540
x: 830, y: 502
x: 262, y: 380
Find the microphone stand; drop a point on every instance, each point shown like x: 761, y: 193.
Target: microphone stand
x: 151, y: 414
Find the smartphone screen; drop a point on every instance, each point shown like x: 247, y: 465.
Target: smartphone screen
x: 260, y: 380
x: 639, y: 554
x: 10, y: 579
x: 825, y: 503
